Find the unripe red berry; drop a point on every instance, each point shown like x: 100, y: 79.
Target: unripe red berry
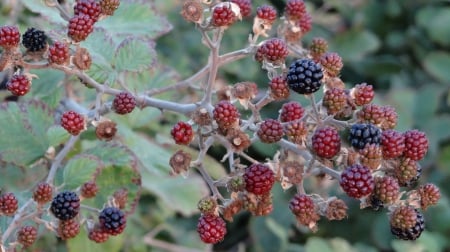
x: 98, y: 235
x: 124, y: 103
x: 9, y: 37
x: 43, y: 193
x: 416, y: 144
x: 392, y: 144
x: 332, y: 63
x: 19, y: 85
x: 357, y: 181
x: 279, y: 89
x: 326, y: 142
x: 362, y: 94
x: 87, y: 7
x: 259, y: 179
x: 273, y: 50
x: 80, y: 27
x: 386, y: 189
x: 8, y: 204
x: 73, y: 122
x: 291, y: 111
x: 225, y: 114
x: 267, y: 13
x: 222, y: 15
x: 295, y: 9
x: 211, y: 228
x: 27, y: 235
x: 89, y: 189
x: 429, y: 195
x: 270, y: 131
x: 68, y: 229
x: 182, y: 133
x: 58, y: 53
x: 304, y: 209
x: 335, y: 100
x: 245, y: 7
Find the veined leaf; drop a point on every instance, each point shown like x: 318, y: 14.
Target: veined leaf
x: 134, y: 55
x: 79, y: 170
x: 23, y: 131
x: 135, y: 18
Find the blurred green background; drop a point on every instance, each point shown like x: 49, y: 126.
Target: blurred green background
x: 400, y: 47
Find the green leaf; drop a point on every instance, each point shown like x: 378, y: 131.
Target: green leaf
x: 136, y: 19
x: 81, y: 242
x: 433, y: 241
x: 50, y: 13
x: 401, y: 246
x: 18, y: 178
x: 434, y: 20
x: 23, y: 130
x: 425, y: 111
x: 316, y: 244
x: 134, y: 55
x: 101, y: 48
x: 264, y: 237
x: 79, y: 170
x: 121, y: 170
x: 155, y: 161
x: 354, y: 44
x: 47, y: 87
x: 178, y: 193
x: 57, y: 135
x: 402, y: 99
x: 436, y: 64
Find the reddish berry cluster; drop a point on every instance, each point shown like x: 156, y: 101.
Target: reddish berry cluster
x: 259, y: 179
x: 326, y: 142
x: 19, y: 84
x: 273, y: 50
x: 124, y: 103
x: 291, y: 111
x: 9, y: 37
x: 59, y: 53
x: 182, y: 133
x: 270, y: 131
x: 223, y: 16
x: 73, y: 122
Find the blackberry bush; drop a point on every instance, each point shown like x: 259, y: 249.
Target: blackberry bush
x: 76, y: 157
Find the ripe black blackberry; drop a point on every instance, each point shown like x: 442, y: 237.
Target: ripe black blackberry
x: 65, y: 205
x: 304, y: 76
x: 112, y: 220
x: 34, y: 40
x: 362, y: 134
x: 413, y: 233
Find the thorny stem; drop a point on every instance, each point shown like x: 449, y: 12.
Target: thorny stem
x: 59, y: 158
x: 17, y: 220
x: 213, y: 67
x: 209, y: 181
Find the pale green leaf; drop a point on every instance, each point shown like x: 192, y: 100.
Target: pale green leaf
x: 57, y: 135
x: 121, y: 170
x: 134, y: 55
x: 23, y: 129
x: 47, y: 87
x: 79, y: 170
x: 436, y: 64
x: 355, y: 44
x: 178, y: 193
x: 51, y: 13
x: 81, y: 242
x: 135, y: 18
x: 316, y: 244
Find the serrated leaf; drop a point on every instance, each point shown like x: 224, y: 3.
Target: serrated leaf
x: 79, y: 170
x: 136, y: 19
x: 47, y: 87
x: 155, y: 161
x: 436, y: 64
x: 178, y: 193
x: 355, y: 44
x: 23, y: 129
x: 134, y: 55
x: 50, y: 13
x: 101, y: 48
x: 57, y: 135
x: 121, y: 170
